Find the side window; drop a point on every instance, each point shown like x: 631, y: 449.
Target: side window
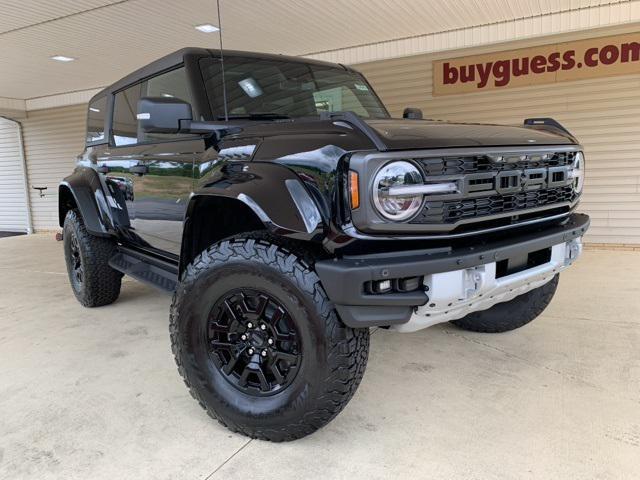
x: 95, y: 120
x: 125, y: 123
x: 171, y: 84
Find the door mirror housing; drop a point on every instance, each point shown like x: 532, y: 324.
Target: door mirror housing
x: 412, y: 113
x: 163, y: 114
x: 172, y: 115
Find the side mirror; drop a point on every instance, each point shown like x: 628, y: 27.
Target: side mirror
x: 412, y: 113
x: 163, y: 114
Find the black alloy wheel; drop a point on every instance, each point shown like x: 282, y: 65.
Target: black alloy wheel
x: 259, y: 344
x: 254, y: 342
x: 76, y: 267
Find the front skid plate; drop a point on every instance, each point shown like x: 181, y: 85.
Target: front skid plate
x: 453, y: 295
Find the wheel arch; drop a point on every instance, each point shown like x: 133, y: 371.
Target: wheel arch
x: 82, y: 190
x: 201, y: 230
x: 211, y: 218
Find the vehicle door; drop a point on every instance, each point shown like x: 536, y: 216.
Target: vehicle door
x: 154, y: 171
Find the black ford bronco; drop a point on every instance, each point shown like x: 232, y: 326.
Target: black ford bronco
x: 288, y: 213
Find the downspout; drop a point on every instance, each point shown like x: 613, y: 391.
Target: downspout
x: 23, y: 162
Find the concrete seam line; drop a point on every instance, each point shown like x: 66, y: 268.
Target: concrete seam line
x: 34, y: 271
x: 228, y: 459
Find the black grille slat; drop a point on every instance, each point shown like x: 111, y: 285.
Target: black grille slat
x: 482, y: 163
x: 483, y: 199
x: 452, y: 211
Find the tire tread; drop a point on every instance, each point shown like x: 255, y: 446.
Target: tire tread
x: 101, y: 283
x: 349, y: 347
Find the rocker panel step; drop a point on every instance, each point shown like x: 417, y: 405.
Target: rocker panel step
x: 155, y: 272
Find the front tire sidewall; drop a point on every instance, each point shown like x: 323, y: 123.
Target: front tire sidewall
x: 211, y: 385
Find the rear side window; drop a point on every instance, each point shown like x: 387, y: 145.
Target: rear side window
x: 95, y: 120
x: 125, y: 124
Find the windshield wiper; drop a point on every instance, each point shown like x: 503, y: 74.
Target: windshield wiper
x: 256, y: 116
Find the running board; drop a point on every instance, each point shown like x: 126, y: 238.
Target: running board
x: 155, y: 272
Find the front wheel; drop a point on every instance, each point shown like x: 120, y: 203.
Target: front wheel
x: 512, y: 314
x: 260, y: 345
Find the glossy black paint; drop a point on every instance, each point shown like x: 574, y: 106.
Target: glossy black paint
x: 159, y: 178
x: 404, y: 134
x: 146, y: 194
x: 84, y: 190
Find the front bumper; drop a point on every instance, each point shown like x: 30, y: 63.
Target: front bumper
x: 457, y: 281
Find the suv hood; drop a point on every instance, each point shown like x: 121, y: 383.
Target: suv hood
x: 401, y: 134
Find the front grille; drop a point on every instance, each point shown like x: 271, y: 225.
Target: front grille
x: 456, y: 210
x: 513, y: 187
x: 483, y: 163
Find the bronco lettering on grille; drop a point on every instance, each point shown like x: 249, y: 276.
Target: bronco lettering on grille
x: 512, y: 181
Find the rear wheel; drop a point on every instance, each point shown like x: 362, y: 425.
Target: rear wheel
x: 512, y: 314
x: 93, y: 281
x: 259, y: 344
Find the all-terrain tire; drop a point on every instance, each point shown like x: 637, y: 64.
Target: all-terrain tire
x: 93, y: 281
x: 513, y: 314
x: 333, y: 356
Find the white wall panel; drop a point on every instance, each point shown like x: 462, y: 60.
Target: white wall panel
x: 53, y: 139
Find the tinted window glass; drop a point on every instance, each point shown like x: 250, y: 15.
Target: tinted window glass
x: 171, y: 84
x: 95, y: 120
x: 259, y: 86
x: 125, y: 123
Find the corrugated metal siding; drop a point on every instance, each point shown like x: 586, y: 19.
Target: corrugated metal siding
x: 13, y: 202
x: 602, y: 113
x: 53, y: 139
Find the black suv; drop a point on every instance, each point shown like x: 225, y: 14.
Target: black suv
x: 288, y: 213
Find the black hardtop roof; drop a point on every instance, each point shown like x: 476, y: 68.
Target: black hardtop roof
x: 177, y: 57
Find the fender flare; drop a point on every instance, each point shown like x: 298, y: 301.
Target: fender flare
x: 273, y: 192
x: 85, y: 187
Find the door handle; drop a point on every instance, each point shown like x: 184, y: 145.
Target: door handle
x: 139, y: 169
x: 103, y: 169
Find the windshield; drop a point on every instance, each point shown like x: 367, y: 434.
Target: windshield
x: 264, y: 87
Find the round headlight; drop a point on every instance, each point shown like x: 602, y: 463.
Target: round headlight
x: 388, y: 197
x: 578, y: 172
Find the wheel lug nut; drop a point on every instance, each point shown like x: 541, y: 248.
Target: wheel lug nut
x: 264, y: 353
x: 249, y: 325
x: 270, y: 341
x: 243, y: 336
x: 251, y: 351
x: 263, y: 327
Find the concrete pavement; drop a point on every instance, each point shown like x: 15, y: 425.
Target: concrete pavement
x: 94, y: 393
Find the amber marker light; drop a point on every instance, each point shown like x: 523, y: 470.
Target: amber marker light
x: 354, y: 189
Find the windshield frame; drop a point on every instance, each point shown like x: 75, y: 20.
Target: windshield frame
x: 215, y: 101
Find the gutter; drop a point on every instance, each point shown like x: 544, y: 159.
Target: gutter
x: 23, y: 162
